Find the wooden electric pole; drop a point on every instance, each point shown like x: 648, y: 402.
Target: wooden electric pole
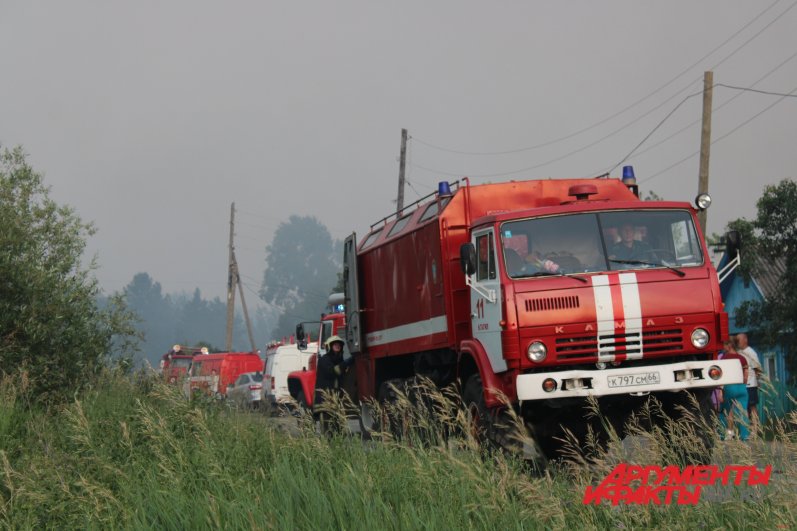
x: 705, y: 144
x: 243, y: 303
x: 232, y: 280
x: 402, y: 164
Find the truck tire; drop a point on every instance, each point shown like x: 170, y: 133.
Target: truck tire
x: 496, y: 428
x: 389, y: 419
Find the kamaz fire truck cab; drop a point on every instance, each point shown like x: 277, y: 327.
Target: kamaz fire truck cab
x: 545, y: 292
x: 301, y: 384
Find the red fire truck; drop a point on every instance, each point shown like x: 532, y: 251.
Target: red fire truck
x: 212, y: 373
x: 301, y: 384
x: 175, y: 363
x: 546, y: 292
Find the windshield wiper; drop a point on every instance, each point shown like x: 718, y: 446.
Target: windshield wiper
x: 560, y: 274
x: 654, y: 264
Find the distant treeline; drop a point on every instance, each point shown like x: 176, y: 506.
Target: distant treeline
x: 168, y: 319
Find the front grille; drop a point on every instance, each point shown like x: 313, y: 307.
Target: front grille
x: 580, y: 347
x: 663, y: 340
x: 552, y: 303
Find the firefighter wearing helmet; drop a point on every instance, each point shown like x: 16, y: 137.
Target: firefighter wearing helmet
x: 332, y: 368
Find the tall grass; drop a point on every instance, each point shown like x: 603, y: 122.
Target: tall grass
x: 132, y: 453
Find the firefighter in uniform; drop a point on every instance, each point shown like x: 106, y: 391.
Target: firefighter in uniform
x: 332, y: 367
x: 331, y: 372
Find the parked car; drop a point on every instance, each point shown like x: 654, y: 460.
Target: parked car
x: 212, y: 373
x: 281, y: 361
x: 247, y: 390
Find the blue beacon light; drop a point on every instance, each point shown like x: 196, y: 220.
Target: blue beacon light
x: 628, y: 175
x: 443, y: 189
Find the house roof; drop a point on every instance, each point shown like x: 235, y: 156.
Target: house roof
x: 768, y: 274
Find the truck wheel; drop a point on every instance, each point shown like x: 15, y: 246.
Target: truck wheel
x: 495, y: 427
x: 391, y: 417
x: 369, y: 425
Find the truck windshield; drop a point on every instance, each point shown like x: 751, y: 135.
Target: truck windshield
x: 602, y: 241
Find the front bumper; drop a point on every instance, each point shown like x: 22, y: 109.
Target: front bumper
x: 627, y: 380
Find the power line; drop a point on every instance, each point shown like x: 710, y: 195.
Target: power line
x: 755, y: 36
x: 647, y: 136
x: 654, y: 130
x: 573, y: 152
x: 726, y: 135
x: 747, y: 89
x: 412, y: 187
x: 637, y: 102
x: 724, y: 104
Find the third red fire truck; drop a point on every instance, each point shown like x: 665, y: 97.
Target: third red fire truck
x: 546, y: 292
x: 301, y: 384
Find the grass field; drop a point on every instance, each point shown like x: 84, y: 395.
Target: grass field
x: 132, y: 453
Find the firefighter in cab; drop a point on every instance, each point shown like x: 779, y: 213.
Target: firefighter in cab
x: 332, y: 368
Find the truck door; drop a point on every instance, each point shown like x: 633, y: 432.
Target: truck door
x: 485, y: 299
x: 352, y: 294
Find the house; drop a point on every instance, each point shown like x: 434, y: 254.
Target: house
x: 763, y: 284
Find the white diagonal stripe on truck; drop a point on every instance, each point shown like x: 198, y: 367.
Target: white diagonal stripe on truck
x: 604, y: 313
x: 632, y: 310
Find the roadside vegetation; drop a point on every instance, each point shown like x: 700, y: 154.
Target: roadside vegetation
x: 85, y: 443
x: 130, y: 452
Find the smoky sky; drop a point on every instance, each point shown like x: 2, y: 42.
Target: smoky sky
x: 150, y: 118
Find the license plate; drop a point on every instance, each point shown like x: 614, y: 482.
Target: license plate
x: 630, y: 380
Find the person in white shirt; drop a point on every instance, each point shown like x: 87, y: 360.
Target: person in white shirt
x: 744, y: 348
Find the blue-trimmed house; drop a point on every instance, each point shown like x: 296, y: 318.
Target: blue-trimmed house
x: 764, y: 282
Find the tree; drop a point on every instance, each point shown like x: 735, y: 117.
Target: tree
x: 156, y: 315
x: 301, y: 267
x: 652, y: 196
x: 51, y: 324
x: 201, y: 321
x: 773, y: 235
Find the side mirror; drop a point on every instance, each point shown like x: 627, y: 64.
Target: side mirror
x: 733, y: 242
x: 301, y: 337
x: 230, y: 386
x: 467, y: 258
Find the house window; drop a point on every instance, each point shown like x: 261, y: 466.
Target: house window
x: 772, y: 370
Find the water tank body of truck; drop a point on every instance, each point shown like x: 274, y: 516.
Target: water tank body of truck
x: 553, y: 307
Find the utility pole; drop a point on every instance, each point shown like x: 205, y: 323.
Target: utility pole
x: 232, y: 280
x: 705, y: 144
x: 402, y: 164
x: 243, y: 303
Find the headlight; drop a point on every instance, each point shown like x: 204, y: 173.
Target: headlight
x: 703, y: 201
x: 700, y: 338
x: 537, y: 352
